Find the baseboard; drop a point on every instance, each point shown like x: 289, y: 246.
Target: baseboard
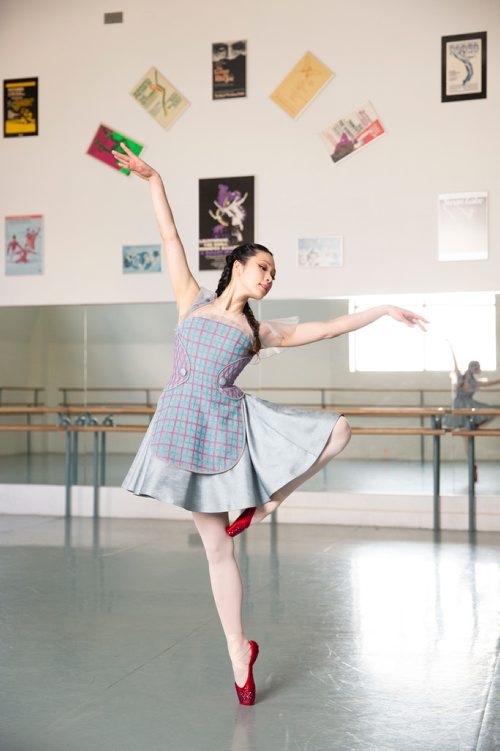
x: 370, y: 510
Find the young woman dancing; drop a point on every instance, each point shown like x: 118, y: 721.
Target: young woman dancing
x: 210, y: 447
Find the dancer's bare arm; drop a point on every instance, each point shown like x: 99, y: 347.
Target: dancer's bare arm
x: 306, y: 333
x: 184, y: 284
x: 485, y: 382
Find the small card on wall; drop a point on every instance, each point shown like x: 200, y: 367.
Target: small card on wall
x: 105, y: 141
x: 229, y: 69
x: 301, y: 85
x: 24, y: 245
x: 463, y: 227
x: 160, y: 98
x: 352, y: 133
x: 20, y: 107
x: 320, y: 252
x: 141, y: 259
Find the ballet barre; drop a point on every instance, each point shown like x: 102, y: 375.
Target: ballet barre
x: 86, y: 422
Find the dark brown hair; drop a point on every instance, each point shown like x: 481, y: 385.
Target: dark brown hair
x: 242, y: 253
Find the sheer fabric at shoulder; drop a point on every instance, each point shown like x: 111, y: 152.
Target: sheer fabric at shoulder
x: 203, y: 297
x: 272, y: 333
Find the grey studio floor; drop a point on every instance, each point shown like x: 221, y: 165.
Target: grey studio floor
x: 370, y: 639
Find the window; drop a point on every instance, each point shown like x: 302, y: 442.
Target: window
x: 462, y: 322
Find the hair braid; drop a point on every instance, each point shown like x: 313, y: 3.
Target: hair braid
x: 242, y: 253
x: 254, y: 325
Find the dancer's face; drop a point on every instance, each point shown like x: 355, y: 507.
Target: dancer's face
x: 256, y: 276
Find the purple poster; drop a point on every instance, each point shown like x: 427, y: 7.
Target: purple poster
x: 226, y: 218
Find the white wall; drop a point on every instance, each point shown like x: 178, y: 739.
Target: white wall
x: 383, y: 201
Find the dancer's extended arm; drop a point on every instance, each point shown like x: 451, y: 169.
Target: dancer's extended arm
x: 485, y: 382
x: 184, y: 284
x: 306, y: 333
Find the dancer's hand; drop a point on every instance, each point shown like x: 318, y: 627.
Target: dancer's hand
x: 406, y: 316
x: 132, y: 162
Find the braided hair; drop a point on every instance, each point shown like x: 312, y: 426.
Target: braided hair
x: 242, y: 253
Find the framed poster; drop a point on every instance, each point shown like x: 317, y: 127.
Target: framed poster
x: 23, y: 245
x: 160, y: 98
x: 352, y: 133
x: 463, y: 227
x: 105, y: 140
x: 141, y: 259
x: 463, y: 67
x: 229, y: 70
x: 20, y: 107
x: 301, y: 85
x: 226, y: 218
x: 320, y: 252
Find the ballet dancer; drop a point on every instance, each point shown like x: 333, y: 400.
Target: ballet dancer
x: 210, y: 447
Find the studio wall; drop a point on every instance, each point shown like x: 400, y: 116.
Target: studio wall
x: 383, y: 201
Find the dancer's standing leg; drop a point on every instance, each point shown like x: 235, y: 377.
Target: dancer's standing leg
x: 227, y: 587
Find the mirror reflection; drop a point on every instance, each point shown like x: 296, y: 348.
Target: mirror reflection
x: 119, y: 357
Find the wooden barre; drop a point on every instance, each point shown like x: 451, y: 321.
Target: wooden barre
x: 470, y: 433
x: 32, y: 428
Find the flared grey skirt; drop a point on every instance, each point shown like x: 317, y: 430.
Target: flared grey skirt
x: 281, y: 444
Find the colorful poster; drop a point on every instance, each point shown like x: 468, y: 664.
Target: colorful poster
x: 229, y: 70
x: 23, y: 245
x: 463, y: 67
x: 226, y: 218
x: 301, y: 85
x: 160, y: 98
x: 105, y: 140
x: 463, y: 227
x: 320, y: 252
x: 20, y: 107
x: 140, y: 259
x: 352, y: 133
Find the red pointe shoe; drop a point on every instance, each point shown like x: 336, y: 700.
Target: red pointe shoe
x: 241, y: 523
x: 246, y: 694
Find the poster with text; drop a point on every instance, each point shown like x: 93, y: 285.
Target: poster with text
x: 23, y: 245
x: 141, y: 259
x: 463, y: 227
x: 105, y: 140
x: 352, y: 133
x: 226, y: 218
x: 463, y: 67
x: 20, y: 107
x: 229, y: 70
x: 320, y: 252
x: 160, y: 98
x: 301, y: 85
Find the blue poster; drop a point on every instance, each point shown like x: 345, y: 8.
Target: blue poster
x: 23, y: 245
x: 138, y: 259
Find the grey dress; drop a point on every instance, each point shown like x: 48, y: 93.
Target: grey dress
x: 278, y: 443
x: 464, y: 399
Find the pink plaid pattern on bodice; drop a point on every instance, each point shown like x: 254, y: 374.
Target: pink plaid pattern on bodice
x: 198, y: 424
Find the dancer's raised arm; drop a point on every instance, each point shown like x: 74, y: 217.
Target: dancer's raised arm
x: 306, y: 333
x: 184, y: 284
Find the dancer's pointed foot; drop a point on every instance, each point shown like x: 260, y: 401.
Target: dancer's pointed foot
x: 246, y: 693
x: 241, y: 523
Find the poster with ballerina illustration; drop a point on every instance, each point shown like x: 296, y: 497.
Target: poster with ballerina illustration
x: 160, y: 98
x: 302, y: 85
x: 463, y: 67
x: 23, y: 245
x: 352, y: 132
x: 226, y: 218
x: 105, y: 140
